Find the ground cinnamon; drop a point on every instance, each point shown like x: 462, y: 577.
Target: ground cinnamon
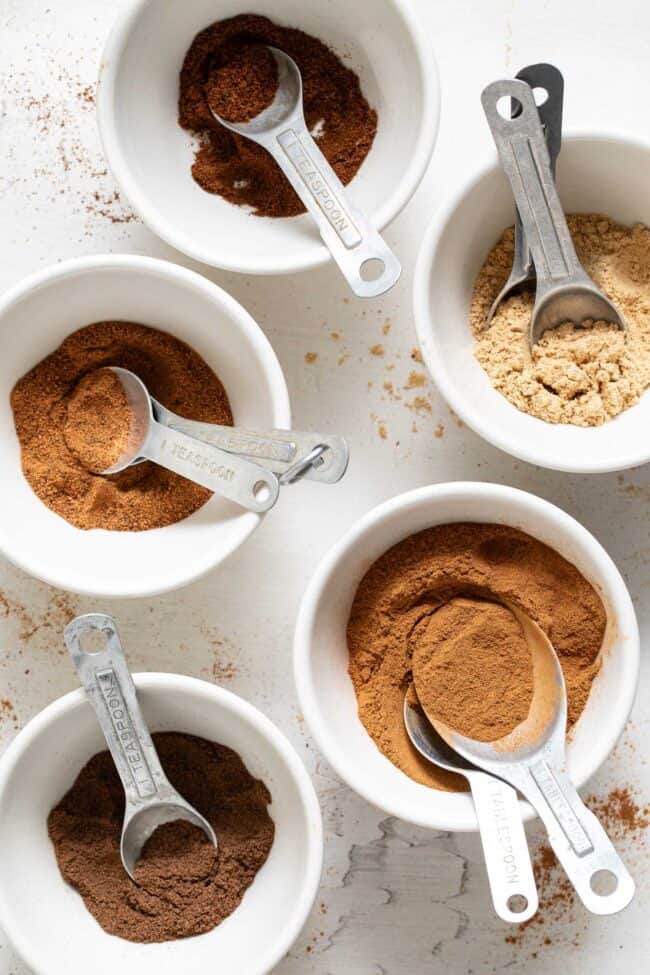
x: 336, y: 113
x: 44, y: 400
x: 472, y: 668
x: 184, y: 887
x: 402, y: 592
x: 98, y: 421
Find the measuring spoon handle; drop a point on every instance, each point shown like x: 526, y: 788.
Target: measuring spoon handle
x: 507, y: 858
x: 578, y: 839
x: 526, y: 162
x: 109, y: 687
x: 348, y: 233
x: 248, y: 484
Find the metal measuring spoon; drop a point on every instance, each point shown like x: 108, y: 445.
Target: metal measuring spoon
x: 549, y: 78
x: 565, y: 292
x: 151, y: 800
x: 353, y: 242
x: 505, y: 849
x: 234, y: 477
x: 532, y: 759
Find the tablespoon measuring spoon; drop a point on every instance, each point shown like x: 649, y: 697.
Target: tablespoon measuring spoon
x: 548, y: 78
x: 354, y: 243
x: 94, y: 645
x: 505, y: 849
x: 565, y: 292
x: 234, y: 477
x: 532, y: 759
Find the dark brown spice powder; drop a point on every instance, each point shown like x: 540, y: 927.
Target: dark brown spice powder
x: 241, y: 171
x: 184, y: 887
x: 243, y: 85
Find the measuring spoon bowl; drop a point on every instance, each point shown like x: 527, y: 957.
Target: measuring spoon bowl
x: 150, y: 799
x: 365, y: 260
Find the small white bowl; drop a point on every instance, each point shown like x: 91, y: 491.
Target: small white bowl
x: 35, y: 317
x: 46, y: 920
x: 327, y: 698
x: 150, y: 155
x: 596, y: 174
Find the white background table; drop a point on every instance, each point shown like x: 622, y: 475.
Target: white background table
x: 394, y: 899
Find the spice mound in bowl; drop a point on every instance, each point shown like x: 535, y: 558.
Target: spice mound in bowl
x: 223, y: 65
x: 70, y: 418
x: 184, y: 886
x: 583, y: 375
x: 439, y: 590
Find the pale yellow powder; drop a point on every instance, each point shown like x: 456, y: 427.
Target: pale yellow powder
x: 584, y: 376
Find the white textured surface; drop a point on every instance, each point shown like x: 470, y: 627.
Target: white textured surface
x: 394, y: 899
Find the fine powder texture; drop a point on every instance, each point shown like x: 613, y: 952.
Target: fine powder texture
x: 584, y: 376
x: 184, y: 886
x: 99, y: 420
x: 141, y: 497
x: 472, y: 668
x: 411, y: 581
x: 244, y: 85
x: 336, y: 113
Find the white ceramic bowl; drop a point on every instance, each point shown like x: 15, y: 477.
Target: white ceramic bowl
x: 46, y: 920
x: 150, y: 155
x: 35, y: 317
x: 596, y: 173
x: 327, y: 698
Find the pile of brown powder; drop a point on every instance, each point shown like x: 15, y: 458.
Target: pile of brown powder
x: 584, y: 376
x: 472, y: 668
x: 239, y: 170
x: 99, y: 420
x: 243, y: 85
x: 184, y: 886
x: 141, y: 497
x: 402, y: 591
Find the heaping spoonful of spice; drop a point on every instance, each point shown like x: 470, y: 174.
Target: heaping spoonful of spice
x: 242, y: 105
x: 531, y: 757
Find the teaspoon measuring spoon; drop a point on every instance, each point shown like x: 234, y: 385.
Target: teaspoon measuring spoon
x: 505, y: 849
x: 151, y: 800
x: 565, y: 292
x: 532, y: 759
x: 350, y: 236
x: 548, y: 78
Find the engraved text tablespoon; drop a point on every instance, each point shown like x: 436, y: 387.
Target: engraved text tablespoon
x: 507, y: 859
x: 565, y: 292
x: 532, y: 759
x: 549, y: 79
x: 356, y: 246
x: 151, y: 800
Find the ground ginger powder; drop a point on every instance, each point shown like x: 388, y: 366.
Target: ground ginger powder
x: 579, y: 375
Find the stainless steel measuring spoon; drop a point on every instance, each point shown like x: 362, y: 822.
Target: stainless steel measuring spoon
x: 505, y: 850
x: 532, y: 759
x: 548, y: 78
x: 366, y: 261
x: 103, y: 671
x: 234, y: 477
x: 291, y: 454
x: 565, y: 292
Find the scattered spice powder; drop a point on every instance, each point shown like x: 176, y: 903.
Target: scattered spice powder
x: 400, y: 594
x: 580, y: 375
x: 311, y: 358
x: 377, y: 350
x: 184, y: 886
x: 140, y: 497
x: 239, y: 170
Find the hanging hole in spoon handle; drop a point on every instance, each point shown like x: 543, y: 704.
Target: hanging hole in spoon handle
x: 505, y: 848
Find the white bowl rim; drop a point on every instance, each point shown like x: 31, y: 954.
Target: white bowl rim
x: 274, y: 263
x: 229, y: 701
x: 473, y: 418
x: 245, y: 322
x: 308, y: 698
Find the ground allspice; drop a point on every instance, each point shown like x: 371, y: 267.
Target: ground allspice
x: 183, y: 886
x: 437, y: 586
x: 242, y: 172
x: 55, y: 409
